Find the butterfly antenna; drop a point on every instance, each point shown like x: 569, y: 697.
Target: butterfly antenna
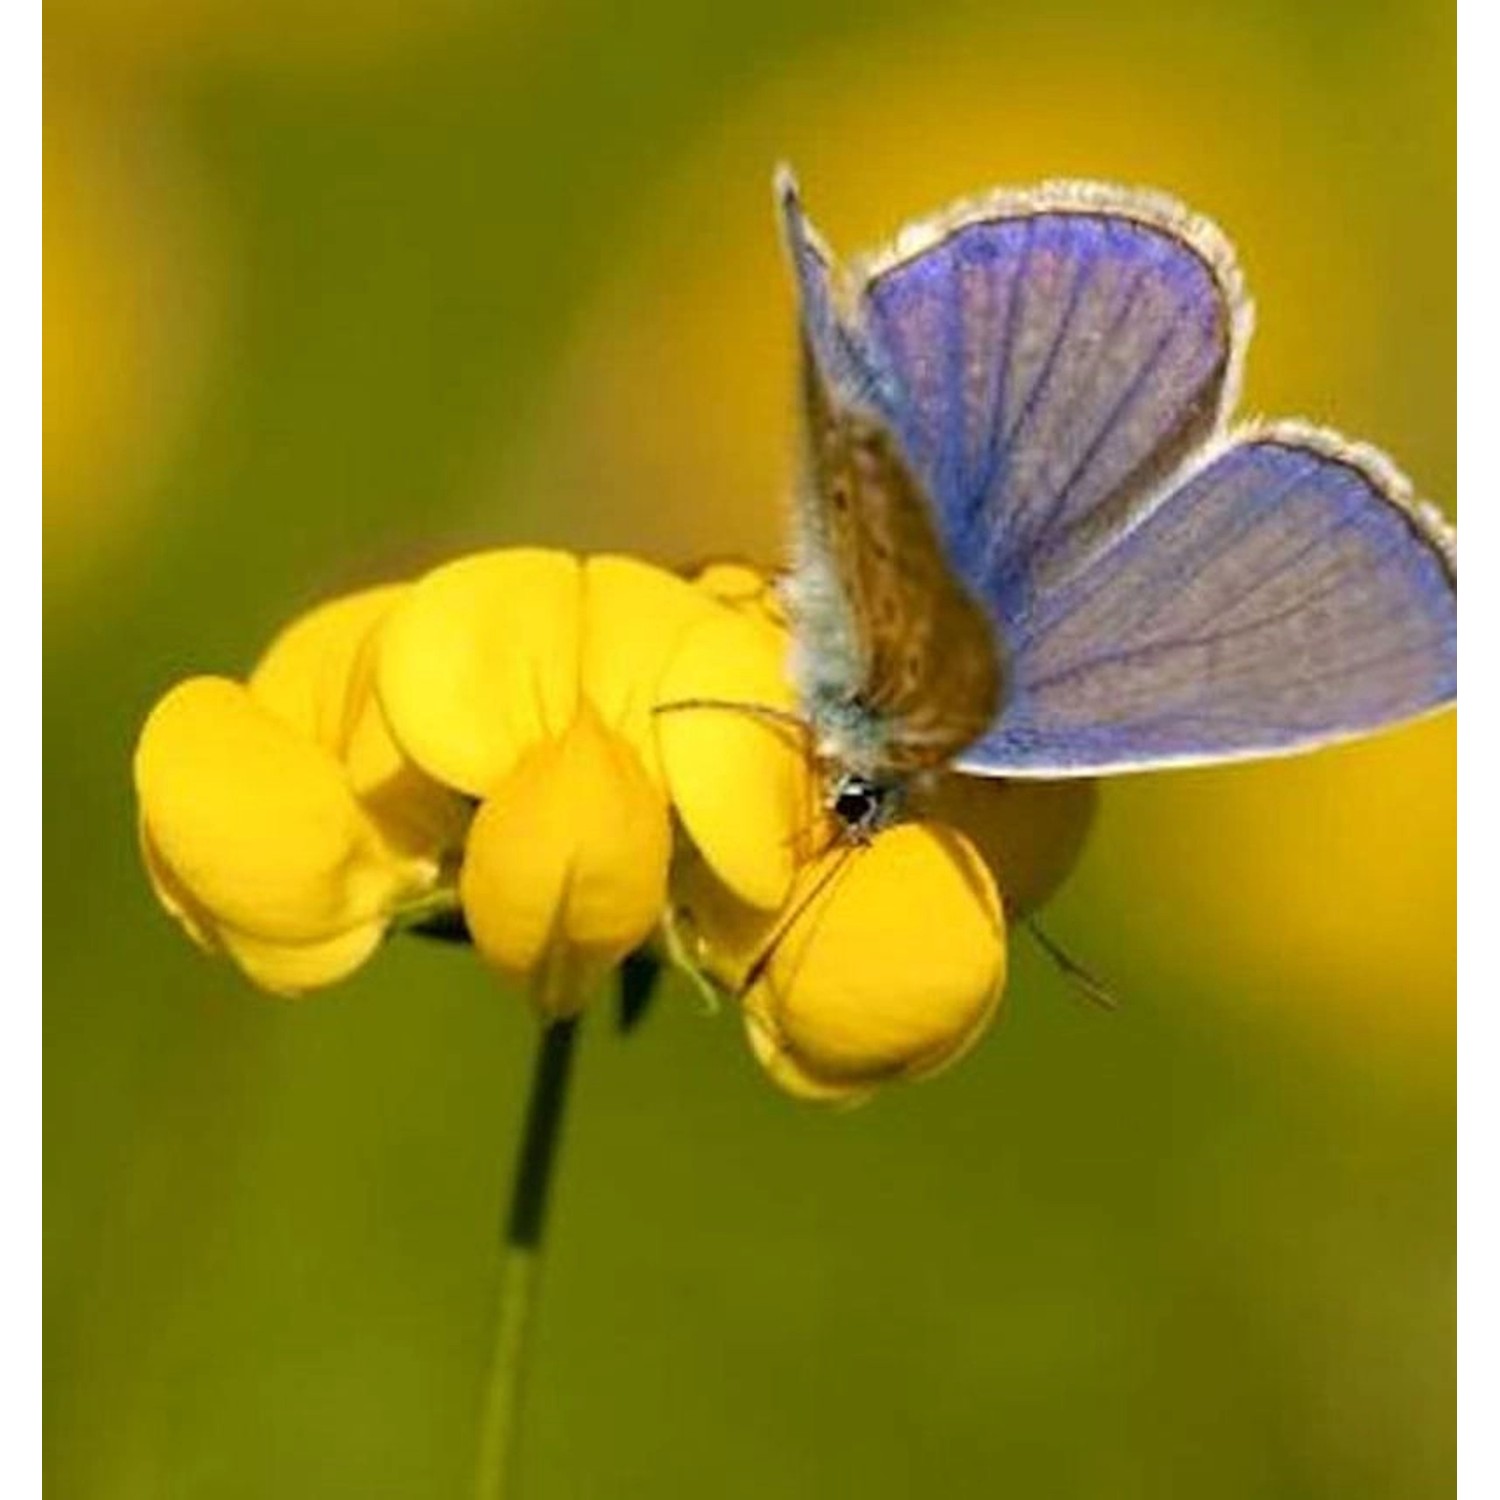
x: 782, y: 716
x: 785, y: 925
x: 1087, y: 984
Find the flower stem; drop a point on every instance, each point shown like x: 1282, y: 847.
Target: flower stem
x: 521, y: 1259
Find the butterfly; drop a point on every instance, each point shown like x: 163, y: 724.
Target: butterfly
x: 1029, y: 539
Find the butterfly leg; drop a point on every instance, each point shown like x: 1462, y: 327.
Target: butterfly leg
x: 788, y: 920
x: 1074, y: 972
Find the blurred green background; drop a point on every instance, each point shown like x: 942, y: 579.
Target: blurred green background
x: 337, y: 289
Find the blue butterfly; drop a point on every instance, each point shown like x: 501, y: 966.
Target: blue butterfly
x: 1031, y: 543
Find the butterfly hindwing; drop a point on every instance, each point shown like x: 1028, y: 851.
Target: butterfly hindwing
x: 1286, y: 593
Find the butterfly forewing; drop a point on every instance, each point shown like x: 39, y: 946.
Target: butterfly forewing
x: 1058, y: 353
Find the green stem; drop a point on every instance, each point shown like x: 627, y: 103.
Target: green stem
x: 521, y: 1259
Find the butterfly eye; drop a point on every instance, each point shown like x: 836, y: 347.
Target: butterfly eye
x: 858, y: 804
x: 852, y: 804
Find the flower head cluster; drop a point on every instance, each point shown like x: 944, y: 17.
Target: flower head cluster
x: 583, y: 756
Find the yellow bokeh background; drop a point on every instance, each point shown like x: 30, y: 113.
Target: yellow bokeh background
x: 333, y: 291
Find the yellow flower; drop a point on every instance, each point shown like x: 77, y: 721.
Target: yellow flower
x: 526, y: 679
x: 856, y: 964
x: 886, y: 961
x: 513, y: 735
x: 278, y: 820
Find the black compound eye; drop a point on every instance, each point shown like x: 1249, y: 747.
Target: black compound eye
x: 855, y: 802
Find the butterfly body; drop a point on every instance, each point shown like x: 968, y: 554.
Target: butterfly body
x: 1029, y: 543
x: 898, y: 666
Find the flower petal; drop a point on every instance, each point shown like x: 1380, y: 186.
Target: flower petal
x: 418, y: 818
x: 314, y: 674
x: 742, y: 782
x: 710, y: 929
x: 319, y: 675
x: 568, y: 853
x: 890, y: 970
x: 481, y: 661
x: 634, y: 618
x: 280, y: 968
x: 173, y: 895
x: 291, y: 969
x: 1030, y: 833
x: 254, y: 822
